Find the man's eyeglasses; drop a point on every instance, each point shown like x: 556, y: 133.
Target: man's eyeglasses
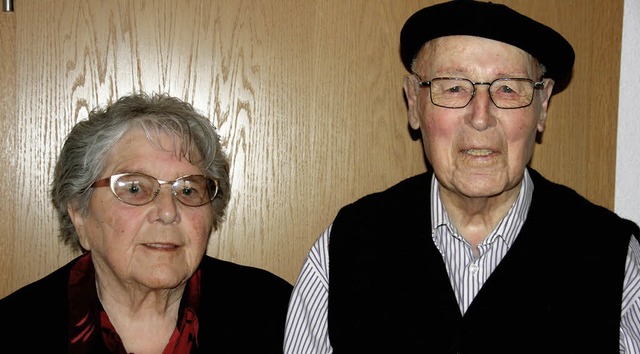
x: 506, y: 93
x: 141, y: 189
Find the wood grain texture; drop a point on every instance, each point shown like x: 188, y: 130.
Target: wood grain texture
x: 579, y: 143
x: 7, y: 150
x: 306, y: 94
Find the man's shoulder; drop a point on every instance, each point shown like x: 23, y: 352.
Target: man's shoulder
x: 559, y: 203
x: 402, y: 210
x: 408, y: 193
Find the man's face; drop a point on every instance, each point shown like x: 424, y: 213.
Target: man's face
x: 480, y: 150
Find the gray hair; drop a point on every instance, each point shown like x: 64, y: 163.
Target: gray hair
x: 83, y: 156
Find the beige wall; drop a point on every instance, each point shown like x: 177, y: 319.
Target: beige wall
x: 307, y: 95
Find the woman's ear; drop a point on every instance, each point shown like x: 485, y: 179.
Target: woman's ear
x: 78, y: 222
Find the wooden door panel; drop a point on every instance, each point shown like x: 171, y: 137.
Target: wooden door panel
x: 306, y: 94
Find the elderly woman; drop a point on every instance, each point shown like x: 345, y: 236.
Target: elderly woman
x: 139, y: 187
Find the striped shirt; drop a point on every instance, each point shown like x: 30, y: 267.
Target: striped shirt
x: 307, y: 327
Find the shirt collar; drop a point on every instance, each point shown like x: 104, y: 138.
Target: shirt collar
x: 509, y: 226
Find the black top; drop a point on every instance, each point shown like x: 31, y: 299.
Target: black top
x: 242, y: 310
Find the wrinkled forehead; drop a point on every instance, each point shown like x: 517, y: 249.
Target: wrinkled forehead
x: 461, y: 53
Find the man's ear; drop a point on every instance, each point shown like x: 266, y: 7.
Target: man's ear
x: 411, y: 93
x: 546, y: 99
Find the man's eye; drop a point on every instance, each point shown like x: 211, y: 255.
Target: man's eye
x: 505, y: 89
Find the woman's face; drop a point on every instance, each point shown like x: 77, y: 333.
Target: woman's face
x: 154, y: 246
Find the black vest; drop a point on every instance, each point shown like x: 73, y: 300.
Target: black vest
x: 558, y: 289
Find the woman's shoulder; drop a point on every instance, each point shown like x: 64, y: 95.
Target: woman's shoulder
x: 40, y: 304
x: 242, y: 308
x: 225, y: 273
x: 49, y: 289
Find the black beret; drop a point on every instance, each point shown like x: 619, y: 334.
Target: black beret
x: 493, y: 21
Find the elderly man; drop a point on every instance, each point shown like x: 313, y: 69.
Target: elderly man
x: 481, y: 254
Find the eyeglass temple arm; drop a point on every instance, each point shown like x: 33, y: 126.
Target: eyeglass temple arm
x: 105, y: 182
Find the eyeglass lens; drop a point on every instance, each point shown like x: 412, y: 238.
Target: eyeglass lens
x: 505, y: 93
x: 140, y: 189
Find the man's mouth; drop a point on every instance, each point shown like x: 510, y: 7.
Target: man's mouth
x: 478, y: 152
